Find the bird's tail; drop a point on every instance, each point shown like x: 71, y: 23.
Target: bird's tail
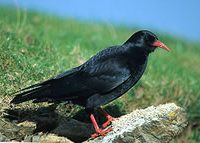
x: 36, y: 91
x: 44, y: 91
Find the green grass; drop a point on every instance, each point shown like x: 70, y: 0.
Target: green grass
x: 35, y: 47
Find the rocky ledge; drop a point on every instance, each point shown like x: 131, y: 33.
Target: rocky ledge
x: 152, y: 124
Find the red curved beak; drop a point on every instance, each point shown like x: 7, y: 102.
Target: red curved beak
x: 157, y: 43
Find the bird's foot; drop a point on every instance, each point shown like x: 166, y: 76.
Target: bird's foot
x: 100, y: 132
x: 109, y: 121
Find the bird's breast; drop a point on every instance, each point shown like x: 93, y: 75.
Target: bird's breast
x: 138, y: 69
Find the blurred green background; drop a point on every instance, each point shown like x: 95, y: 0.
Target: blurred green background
x: 35, y: 47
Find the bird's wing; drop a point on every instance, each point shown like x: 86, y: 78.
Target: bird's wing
x: 103, y: 76
x: 67, y: 73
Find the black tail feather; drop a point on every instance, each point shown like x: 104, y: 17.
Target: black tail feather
x: 35, y: 93
x: 43, y: 90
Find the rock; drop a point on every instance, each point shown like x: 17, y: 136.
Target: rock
x: 28, y: 138
x: 153, y: 124
x: 51, y: 138
x: 27, y: 128
x: 8, y: 130
x: 3, y: 138
x: 36, y: 138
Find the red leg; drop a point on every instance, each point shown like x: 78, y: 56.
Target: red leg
x: 97, y: 129
x: 109, y: 118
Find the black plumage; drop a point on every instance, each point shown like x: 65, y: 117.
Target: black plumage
x: 103, y: 78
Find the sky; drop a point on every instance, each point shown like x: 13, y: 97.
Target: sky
x: 176, y: 17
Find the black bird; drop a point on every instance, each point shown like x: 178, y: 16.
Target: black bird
x: 103, y: 78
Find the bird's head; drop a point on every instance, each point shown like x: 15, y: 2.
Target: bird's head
x: 146, y: 41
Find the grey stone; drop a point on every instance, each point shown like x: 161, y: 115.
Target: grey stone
x: 3, y: 138
x: 150, y: 125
